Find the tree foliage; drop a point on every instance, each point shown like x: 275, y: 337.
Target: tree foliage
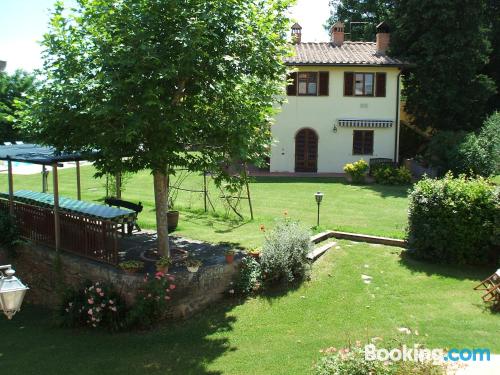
x: 14, y: 89
x: 146, y: 81
x: 447, y: 43
x: 371, y: 11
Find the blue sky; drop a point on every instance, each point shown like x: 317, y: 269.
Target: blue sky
x: 23, y: 23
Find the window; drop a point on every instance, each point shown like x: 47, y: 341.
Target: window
x: 308, y: 84
x: 362, y: 142
x: 364, y: 84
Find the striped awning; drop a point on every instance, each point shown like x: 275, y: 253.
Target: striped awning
x: 360, y: 123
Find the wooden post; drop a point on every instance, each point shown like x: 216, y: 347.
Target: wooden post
x: 11, y: 188
x: 55, y: 188
x: 205, y: 190
x: 160, y: 180
x: 248, y: 192
x: 78, y: 182
x: 45, y: 173
x: 118, y: 180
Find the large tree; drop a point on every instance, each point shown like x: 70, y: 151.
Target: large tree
x: 447, y: 43
x: 371, y: 11
x: 158, y: 84
x: 14, y: 89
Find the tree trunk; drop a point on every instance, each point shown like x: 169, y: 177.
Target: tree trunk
x: 161, y: 190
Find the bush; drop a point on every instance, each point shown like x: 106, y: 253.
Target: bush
x: 249, y: 276
x: 357, y: 170
x: 442, y: 149
x: 284, y: 252
x: 152, y: 301
x: 389, y: 175
x: 453, y: 220
x: 94, y: 305
x: 351, y: 361
x: 9, y: 237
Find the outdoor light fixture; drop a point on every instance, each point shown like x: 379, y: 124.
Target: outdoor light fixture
x: 12, y: 291
x: 319, y: 198
x: 335, y: 128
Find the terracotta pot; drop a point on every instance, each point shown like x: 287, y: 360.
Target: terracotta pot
x: 173, y: 220
x: 255, y: 255
x: 229, y: 258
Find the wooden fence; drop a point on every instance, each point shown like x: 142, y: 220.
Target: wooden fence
x: 87, y: 237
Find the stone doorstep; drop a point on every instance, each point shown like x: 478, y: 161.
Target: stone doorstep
x: 357, y: 238
x: 319, y: 251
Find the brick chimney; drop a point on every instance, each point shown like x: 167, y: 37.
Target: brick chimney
x: 296, y: 33
x: 383, y: 37
x: 337, y: 33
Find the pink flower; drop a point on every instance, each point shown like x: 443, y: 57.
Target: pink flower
x: 90, y: 301
x: 98, y: 290
x: 113, y: 308
x: 111, y: 301
x: 90, y: 312
x: 172, y: 286
x: 101, y: 294
x: 159, y: 274
x: 171, y: 278
x: 167, y: 297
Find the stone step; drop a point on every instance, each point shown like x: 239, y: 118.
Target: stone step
x: 320, y: 237
x: 319, y: 251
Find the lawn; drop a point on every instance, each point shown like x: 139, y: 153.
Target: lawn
x: 370, y: 209
x: 278, y: 333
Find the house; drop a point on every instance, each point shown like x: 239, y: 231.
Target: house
x: 343, y: 104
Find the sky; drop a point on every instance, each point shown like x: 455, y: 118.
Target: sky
x: 23, y: 23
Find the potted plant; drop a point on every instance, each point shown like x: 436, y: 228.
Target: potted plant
x: 229, y: 256
x: 356, y: 172
x: 163, y: 263
x: 131, y: 266
x: 254, y: 253
x: 193, y: 264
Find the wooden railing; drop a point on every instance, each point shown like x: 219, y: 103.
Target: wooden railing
x: 87, y: 237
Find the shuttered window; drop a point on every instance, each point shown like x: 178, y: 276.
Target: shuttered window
x: 291, y: 89
x: 380, y: 84
x: 324, y: 80
x: 348, y: 83
x: 362, y: 142
x: 308, y: 83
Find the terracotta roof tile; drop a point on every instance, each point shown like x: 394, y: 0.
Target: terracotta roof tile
x: 350, y: 53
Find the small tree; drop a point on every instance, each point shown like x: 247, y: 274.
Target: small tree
x: 157, y: 84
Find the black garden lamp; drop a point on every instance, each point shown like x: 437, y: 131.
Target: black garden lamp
x: 319, y: 197
x: 12, y: 291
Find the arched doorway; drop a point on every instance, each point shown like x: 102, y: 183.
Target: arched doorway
x: 306, y: 151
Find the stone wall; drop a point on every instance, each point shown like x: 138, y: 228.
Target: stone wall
x: 35, y: 266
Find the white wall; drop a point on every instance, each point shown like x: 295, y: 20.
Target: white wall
x: 321, y: 114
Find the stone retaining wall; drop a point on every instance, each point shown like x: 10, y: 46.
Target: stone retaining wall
x: 35, y: 266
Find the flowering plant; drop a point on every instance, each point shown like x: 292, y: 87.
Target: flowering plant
x: 164, y: 261
x: 95, y: 305
x: 151, y: 303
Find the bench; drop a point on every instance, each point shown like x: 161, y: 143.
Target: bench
x: 115, y: 202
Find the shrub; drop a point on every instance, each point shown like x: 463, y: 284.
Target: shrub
x: 452, y: 220
x: 9, y: 233
x: 442, y: 149
x: 152, y: 301
x: 351, y: 361
x: 94, y: 305
x: 284, y: 252
x: 389, y: 175
x: 357, y: 170
x: 249, y: 276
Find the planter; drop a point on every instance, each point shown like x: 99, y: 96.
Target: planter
x: 254, y: 255
x: 193, y: 269
x: 229, y: 258
x: 173, y: 220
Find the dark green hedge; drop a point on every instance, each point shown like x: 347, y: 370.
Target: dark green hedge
x: 454, y: 220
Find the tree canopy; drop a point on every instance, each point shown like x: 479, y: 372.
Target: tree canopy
x: 154, y: 84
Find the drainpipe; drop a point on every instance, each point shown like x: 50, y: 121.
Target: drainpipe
x: 396, y: 137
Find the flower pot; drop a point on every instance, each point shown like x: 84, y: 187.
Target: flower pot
x: 229, y: 258
x: 193, y: 269
x: 173, y: 220
x: 163, y: 269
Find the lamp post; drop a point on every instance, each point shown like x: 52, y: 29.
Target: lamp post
x: 319, y: 198
x: 12, y: 291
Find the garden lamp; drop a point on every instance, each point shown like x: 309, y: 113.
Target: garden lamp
x: 319, y: 198
x: 12, y: 291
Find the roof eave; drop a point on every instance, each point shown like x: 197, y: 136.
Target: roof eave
x: 392, y: 65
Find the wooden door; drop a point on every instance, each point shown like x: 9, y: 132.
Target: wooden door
x: 306, y: 151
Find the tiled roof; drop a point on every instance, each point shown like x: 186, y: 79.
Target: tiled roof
x: 350, y: 53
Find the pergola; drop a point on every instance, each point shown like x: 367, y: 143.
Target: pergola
x: 87, y: 222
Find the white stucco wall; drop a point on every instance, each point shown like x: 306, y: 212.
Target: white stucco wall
x: 321, y: 114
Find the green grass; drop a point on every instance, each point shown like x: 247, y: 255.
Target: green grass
x: 274, y: 334
x: 370, y: 209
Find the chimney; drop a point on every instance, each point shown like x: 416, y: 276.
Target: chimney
x: 383, y: 37
x: 337, y: 33
x: 296, y: 33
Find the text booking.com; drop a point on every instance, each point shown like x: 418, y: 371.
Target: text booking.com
x: 418, y: 354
